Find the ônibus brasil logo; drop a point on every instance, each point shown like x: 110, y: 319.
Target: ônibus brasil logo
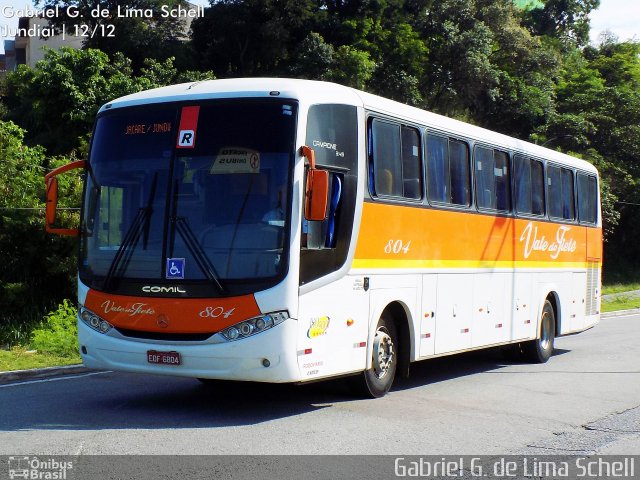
x: 35, y: 468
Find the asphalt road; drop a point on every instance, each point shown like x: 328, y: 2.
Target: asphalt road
x: 585, y: 400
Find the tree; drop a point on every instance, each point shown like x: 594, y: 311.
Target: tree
x: 315, y: 59
x: 57, y: 101
x: 250, y: 38
x: 38, y: 270
x: 564, y: 20
x: 137, y: 29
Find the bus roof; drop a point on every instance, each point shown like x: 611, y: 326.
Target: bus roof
x: 312, y: 92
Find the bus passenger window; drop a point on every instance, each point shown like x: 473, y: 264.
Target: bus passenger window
x: 448, y: 171
x: 537, y: 188
x: 560, y: 193
x: 394, y: 153
x: 492, y: 179
x: 587, y: 198
x: 502, y: 175
x: 386, y: 158
x: 529, y: 191
x: 411, y: 164
x: 568, y: 197
x: 438, y: 181
x: 554, y: 192
x: 460, y: 173
x: 485, y: 185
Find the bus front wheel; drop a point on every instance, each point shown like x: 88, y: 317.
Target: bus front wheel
x: 541, y: 349
x: 376, y: 381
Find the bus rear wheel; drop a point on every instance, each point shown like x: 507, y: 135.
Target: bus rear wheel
x: 376, y: 381
x: 541, y: 349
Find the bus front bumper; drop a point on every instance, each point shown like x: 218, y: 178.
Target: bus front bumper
x: 269, y: 356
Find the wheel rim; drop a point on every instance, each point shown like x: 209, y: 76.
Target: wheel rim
x: 546, y: 335
x: 383, y: 353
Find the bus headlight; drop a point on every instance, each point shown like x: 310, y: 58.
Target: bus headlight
x: 94, y: 321
x: 248, y: 328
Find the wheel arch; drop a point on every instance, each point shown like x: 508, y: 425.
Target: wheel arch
x: 400, y: 314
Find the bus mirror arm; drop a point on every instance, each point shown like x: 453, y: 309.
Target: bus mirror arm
x: 51, y: 184
x: 316, y: 189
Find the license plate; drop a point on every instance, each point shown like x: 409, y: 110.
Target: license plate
x: 163, y: 358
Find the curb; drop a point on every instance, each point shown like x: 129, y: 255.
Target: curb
x: 38, y: 373
x: 620, y: 313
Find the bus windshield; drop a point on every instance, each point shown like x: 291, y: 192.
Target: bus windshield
x: 192, y: 193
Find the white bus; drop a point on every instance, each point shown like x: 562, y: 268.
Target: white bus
x: 277, y: 230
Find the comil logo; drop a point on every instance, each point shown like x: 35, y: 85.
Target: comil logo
x: 35, y: 468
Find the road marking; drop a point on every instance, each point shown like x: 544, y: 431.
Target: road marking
x: 68, y: 377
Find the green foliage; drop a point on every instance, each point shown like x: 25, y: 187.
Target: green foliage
x: 621, y: 302
x: 38, y: 269
x: 21, y: 358
x: 566, y: 20
x: 57, y: 335
x: 250, y: 38
x: 57, y: 101
x: 137, y: 38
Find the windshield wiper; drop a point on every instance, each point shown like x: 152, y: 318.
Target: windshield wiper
x: 139, y: 225
x: 181, y: 225
x: 196, y: 250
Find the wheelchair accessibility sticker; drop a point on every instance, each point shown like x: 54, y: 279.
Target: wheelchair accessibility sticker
x: 175, y: 269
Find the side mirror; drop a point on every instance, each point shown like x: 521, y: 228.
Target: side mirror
x: 316, y: 203
x: 51, y: 183
x: 52, y: 201
x: 316, y: 190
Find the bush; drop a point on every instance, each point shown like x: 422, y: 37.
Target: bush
x: 58, y: 333
x: 38, y: 270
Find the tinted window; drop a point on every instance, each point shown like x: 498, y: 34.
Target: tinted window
x: 587, y: 198
x: 395, y: 159
x: 554, y: 192
x: 460, y: 173
x: 560, y: 193
x: 386, y: 158
x: 568, y: 195
x: 485, y: 182
x: 448, y: 171
x: 411, y: 164
x: 492, y: 179
x: 206, y: 184
x: 529, y: 186
x: 332, y: 131
x: 502, y: 176
x: 438, y: 175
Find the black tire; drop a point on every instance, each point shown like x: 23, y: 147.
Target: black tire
x: 541, y: 349
x: 376, y: 381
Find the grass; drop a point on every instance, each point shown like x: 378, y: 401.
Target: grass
x: 619, y: 288
x: 621, y: 302
x: 622, y: 299
x: 52, y: 343
x: 20, y: 358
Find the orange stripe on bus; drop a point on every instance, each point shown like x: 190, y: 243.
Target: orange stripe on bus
x: 171, y: 315
x: 396, y: 236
